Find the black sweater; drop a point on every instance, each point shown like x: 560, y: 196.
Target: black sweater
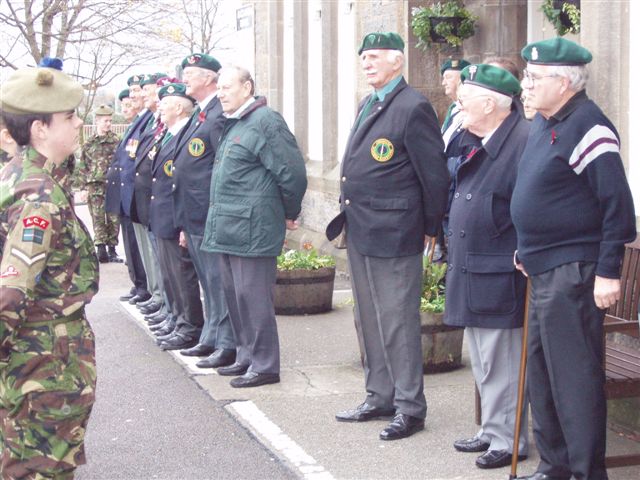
x: 571, y: 200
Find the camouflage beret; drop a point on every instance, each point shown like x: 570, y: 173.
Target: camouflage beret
x: 40, y: 90
x: 135, y: 80
x: 103, y: 110
x: 201, y: 60
x: 493, y: 78
x: 152, y: 78
x: 123, y: 94
x: 174, y: 90
x: 556, y: 51
x: 381, y: 41
x: 451, y: 64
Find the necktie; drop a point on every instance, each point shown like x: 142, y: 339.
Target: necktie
x: 367, y: 108
x: 166, y: 138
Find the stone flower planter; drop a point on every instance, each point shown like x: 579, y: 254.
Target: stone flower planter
x: 441, y: 344
x: 301, y: 291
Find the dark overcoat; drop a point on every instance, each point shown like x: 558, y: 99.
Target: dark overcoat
x: 121, y: 159
x: 483, y: 288
x: 195, y: 152
x: 161, y: 218
x: 394, y: 178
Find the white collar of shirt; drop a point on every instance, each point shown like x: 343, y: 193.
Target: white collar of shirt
x: 487, y: 137
x: 178, y: 126
x: 142, y: 112
x: 203, y: 104
x: 241, y: 110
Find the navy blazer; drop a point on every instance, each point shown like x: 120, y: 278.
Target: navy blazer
x: 483, y: 287
x: 394, y: 179
x: 141, y: 191
x: 121, y: 158
x: 128, y: 174
x: 194, y: 155
x: 161, y: 221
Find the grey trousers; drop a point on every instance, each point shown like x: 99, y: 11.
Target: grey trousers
x: 181, y: 285
x: 495, y: 362
x: 248, y: 287
x: 216, y: 332
x: 387, y: 303
x: 149, y: 257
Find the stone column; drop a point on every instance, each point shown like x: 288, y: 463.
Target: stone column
x: 301, y: 75
x: 269, y: 65
x: 329, y: 84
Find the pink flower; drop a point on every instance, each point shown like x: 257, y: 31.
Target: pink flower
x: 201, y: 117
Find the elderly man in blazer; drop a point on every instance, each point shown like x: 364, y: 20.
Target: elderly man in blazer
x: 393, y: 192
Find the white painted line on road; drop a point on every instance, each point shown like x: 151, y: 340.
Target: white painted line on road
x: 268, y: 430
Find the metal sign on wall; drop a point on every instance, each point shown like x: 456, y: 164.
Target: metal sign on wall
x: 244, y: 17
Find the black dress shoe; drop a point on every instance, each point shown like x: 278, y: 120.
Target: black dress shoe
x: 167, y: 324
x: 474, y: 444
x: 199, y: 350
x: 220, y: 358
x: 233, y: 370
x: 157, y: 320
x: 402, y: 426
x: 178, y: 342
x: 364, y: 412
x: 139, y: 298
x: 145, y: 303
x: 255, y: 379
x: 153, y: 307
x: 496, y: 459
x: 539, y: 476
x: 166, y: 330
x: 126, y: 297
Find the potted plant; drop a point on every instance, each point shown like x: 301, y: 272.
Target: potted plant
x: 443, y: 22
x: 564, y: 15
x: 304, y: 281
x: 441, y: 344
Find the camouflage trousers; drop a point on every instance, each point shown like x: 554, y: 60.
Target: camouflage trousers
x: 105, y: 225
x: 47, y: 391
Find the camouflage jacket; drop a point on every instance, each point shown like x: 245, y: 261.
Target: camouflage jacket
x: 48, y: 268
x: 97, y: 154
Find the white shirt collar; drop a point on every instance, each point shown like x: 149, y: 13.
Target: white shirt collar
x: 203, y: 104
x: 241, y: 110
x: 178, y: 126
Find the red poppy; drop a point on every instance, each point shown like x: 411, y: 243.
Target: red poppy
x: 201, y: 117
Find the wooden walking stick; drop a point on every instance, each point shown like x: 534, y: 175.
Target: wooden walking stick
x: 432, y: 248
x: 521, y: 378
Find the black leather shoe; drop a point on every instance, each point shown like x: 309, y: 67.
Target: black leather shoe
x: 166, y: 330
x: 496, y: 459
x: 364, y: 412
x: 474, y: 444
x: 126, y: 297
x: 178, y: 342
x: 255, y: 379
x: 113, y: 256
x: 145, y: 303
x: 402, y: 426
x: 166, y: 324
x: 139, y: 298
x: 199, y: 350
x: 538, y: 476
x: 220, y: 358
x: 151, y: 308
x: 233, y: 370
x: 156, y: 320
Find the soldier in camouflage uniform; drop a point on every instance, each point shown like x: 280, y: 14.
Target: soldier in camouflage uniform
x: 97, y: 154
x: 48, y: 273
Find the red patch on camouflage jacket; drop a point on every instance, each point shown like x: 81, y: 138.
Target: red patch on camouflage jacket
x: 35, y: 221
x: 10, y: 272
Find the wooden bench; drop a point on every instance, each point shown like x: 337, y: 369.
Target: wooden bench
x: 622, y: 364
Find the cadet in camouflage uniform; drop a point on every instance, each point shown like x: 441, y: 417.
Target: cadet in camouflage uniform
x: 97, y: 154
x: 48, y: 273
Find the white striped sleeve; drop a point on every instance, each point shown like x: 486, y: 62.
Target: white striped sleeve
x: 598, y: 140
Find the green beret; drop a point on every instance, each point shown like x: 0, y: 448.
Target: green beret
x: 490, y: 77
x: 451, y: 64
x: 381, y: 41
x: 175, y: 90
x: 556, y: 51
x: 103, y: 110
x: 40, y: 90
x: 123, y: 94
x: 135, y: 80
x: 151, y: 78
x: 201, y: 60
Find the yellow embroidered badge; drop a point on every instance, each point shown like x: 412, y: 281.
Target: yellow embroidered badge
x: 168, y: 168
x: 196, y: 147
x: 382, y: 150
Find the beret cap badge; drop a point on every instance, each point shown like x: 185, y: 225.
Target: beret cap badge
x: 44, y: 78
x: 170, y: 89
x: 534, y: 53
x: 472, y: 71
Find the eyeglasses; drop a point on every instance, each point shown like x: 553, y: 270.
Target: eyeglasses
x: 463, y: 100
x: 532, y: 78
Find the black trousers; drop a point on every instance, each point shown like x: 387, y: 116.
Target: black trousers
x: 565, y: 378
x: 134, y: 260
